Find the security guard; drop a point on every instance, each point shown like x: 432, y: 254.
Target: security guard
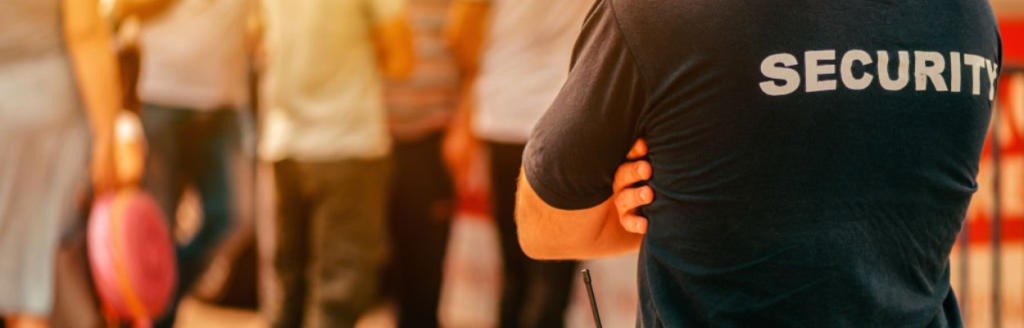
x: 812, y: 160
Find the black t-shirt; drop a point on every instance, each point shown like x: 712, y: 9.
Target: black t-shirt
x: 813, y: 159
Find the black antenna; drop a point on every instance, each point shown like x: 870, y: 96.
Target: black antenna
x: 593, y: 301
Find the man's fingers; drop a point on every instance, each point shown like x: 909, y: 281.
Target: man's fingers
x: 634, y: 223
x: 627, y: 200
x: 630, y: 198
x: 632, y: 172
x: 638, y: 151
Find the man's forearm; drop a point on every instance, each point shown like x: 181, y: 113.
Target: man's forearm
x: 394, y: 43
x: 552, y: 234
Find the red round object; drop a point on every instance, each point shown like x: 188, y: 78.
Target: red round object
x: 131, y: 253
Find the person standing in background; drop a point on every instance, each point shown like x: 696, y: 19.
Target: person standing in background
x: 524, y: 50
x: 326, y: 133
x: 49, y: 124
x: 422, y: 196
x: 194, y: 88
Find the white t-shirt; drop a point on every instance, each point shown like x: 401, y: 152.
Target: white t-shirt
x: 524, y: 63
x: 196, y: 55
x: 324, y: 99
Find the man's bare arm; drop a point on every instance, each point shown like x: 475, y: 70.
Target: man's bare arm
x: 610, y: 228
x: 548, y: 233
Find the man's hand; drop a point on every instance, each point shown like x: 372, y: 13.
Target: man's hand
x: 629, y: 197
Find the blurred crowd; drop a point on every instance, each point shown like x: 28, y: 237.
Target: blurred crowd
x: 373, y: 115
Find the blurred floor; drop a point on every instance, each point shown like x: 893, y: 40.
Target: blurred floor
x: 196, y: 314
x: 470, y: 295
x: 979, y: 300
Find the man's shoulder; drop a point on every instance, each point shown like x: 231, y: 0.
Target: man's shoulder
x: 645, y: 21
x: 644, y: 11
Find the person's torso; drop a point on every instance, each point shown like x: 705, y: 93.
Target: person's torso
x: 424, y: 103
x: 323, y: 82
x: 37, y: 88
x: 524, y: 62
x: 813, y: 160
x: 196, y: 55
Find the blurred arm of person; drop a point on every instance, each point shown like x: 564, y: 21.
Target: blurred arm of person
x: 95, y: 66
x: 255, y: 29
x: 464, y: 33
x: 393, y: 39
x: 459, y: 145
x: 143, y: 9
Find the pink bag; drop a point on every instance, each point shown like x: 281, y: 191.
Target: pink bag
x: 132, y: 256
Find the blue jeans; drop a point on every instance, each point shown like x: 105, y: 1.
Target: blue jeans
x: 192, y: 148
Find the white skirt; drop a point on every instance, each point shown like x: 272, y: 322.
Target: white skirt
x: 43, y: 172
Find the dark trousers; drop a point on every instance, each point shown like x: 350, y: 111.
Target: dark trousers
x: 420, y: 218
x: 535, y: 294
x: 331, y: 240
x: 192, y: 148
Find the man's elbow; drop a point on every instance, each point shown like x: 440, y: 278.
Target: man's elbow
x: 539, y: 249
x: 532, y: 249
x: 541, y: 236
x: 537, y: 244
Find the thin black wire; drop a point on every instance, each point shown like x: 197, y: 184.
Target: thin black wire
x: 593, y: 300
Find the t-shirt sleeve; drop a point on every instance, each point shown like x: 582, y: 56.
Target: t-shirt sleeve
x: 384, y: 11
x: 575, y: 148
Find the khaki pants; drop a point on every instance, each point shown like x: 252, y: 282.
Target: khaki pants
x: 331, y: 240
